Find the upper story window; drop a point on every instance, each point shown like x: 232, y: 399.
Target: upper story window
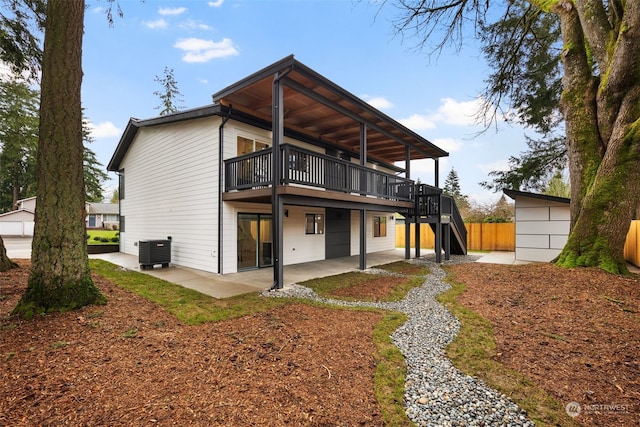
x: 250, y: 145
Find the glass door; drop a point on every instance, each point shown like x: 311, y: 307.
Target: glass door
x: 255, y: 241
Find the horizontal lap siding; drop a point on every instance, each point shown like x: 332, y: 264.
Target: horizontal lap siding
x: 171, y: 189
x: 542, y: 228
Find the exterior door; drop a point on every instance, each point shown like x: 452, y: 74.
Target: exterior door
x: 255, y: 241
x: 337, y: 233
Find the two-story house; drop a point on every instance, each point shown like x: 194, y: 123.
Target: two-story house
x: 284, y: 167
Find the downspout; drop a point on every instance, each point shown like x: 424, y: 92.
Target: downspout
x: 220, y: 188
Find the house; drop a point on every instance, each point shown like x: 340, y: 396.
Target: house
x: 283, y: 167
x: 21, y: 221
x: 542, y: 225
x: 103, y: 216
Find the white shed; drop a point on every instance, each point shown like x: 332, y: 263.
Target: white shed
x: 542, y: 225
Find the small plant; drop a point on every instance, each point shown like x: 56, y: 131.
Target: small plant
x: 59, y: 344
x: 9, y: 356
x: 104, y: 239
x: 97, y: 238
x: 115, y: 239
x: 130, y: 333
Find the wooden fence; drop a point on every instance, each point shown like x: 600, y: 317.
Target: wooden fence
x: 502, y: 237
x: 480, y: 236
x: 632, y: 245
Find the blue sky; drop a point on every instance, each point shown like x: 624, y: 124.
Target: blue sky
x: 211, y: 44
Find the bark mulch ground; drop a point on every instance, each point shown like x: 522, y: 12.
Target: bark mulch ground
x: 574, y: 332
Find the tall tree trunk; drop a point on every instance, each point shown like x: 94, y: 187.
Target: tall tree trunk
x: 5, y: 261
x: 60, y: 278
x: 603, y: 131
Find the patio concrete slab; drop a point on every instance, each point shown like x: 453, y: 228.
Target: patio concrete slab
x: 500, y: 257
x: 228, y: 285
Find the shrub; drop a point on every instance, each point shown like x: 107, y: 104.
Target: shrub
x: 97, y: 238
x: 115, y: 239
x: 104, y: 239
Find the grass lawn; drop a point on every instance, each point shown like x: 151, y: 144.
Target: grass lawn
x: 109, y: 234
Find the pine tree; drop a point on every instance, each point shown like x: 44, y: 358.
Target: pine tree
x: 170, y: 95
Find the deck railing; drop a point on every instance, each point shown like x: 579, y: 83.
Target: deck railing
x: 308, y: 168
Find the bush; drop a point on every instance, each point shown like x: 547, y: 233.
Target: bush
x: 97, y: 238
x: 104, y: 239
x: 88, y: 237
x: 115, y: 239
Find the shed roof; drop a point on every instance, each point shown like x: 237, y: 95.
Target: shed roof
x: 316, y: 106
x: 515, y: 193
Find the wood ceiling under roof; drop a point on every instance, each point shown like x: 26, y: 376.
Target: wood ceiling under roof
x: 324, y: 111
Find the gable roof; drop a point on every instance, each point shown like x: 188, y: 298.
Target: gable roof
x: 515, y: 193
x: 103, y: 208
x: 134, y: 124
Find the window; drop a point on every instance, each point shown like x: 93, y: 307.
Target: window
x: 250, y: 145
x: 314, y: 223
x: 379, y: 226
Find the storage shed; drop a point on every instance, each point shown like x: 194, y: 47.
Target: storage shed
x: 542, y: 225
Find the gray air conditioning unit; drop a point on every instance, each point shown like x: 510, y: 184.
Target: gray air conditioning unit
x: 152, y: 252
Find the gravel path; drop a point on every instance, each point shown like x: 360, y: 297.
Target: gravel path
x: 436, y: 393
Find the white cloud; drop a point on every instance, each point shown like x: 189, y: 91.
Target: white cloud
x: 172, y: 10
x: 500, y: 165
x: 159, y: 23
x: 448, y: 144
x: 460, y: 113
x: 190, y: 24
x: 199, y: 50
x: 417, y: 122
x: 203, y: 81
x: 216, y: 3
x: 104, y: 130
x: 378, y: 102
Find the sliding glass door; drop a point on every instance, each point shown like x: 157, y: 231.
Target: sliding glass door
x: 255, y: 241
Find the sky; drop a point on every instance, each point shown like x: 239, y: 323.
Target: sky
x: 212, y: 44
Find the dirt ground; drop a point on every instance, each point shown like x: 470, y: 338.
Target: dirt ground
x: 130, y: 362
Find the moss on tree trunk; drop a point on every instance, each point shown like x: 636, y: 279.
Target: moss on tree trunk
x: 5, y: 261
x: 60, y: 278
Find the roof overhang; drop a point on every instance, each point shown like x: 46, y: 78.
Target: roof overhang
x: 317, y: 107
x: 515, y: 193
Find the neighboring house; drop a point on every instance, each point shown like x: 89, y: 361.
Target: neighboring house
x: 542, y: 225
x: 284, y: 167
x: 20, y: 222
x: 17, y: 223
x: 103, y: 215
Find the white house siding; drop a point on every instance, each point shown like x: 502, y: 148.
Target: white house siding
x: 298, y: 246
x: 374, y: 244
x: 542, y: 228
x: 171, y: 189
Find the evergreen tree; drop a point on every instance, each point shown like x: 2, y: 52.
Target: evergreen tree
x: 170, y: 95
x: 18, y: 141
x: 60, y: 279
x: 452, y: 188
